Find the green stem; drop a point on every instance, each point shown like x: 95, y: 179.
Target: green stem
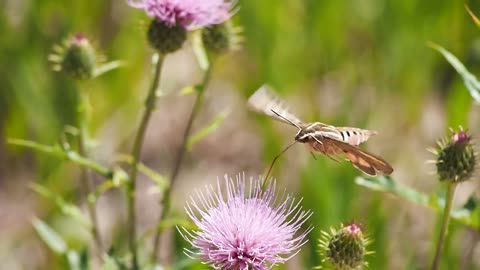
x: 446, y: 218
x: 166, y: 196
x: 149, y: 107
x: 86, y: 179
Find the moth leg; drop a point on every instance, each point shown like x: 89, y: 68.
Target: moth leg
x: 316, y: 139
x: 313, y: 155
x: 332, y: 158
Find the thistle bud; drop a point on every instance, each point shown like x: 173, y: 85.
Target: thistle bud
x: 455, y: 157
x: 345, y: 248
x: 76, y: 58
x: 221, y: 38
x: 165, y: 38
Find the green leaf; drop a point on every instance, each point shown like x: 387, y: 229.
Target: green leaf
x: 200, y: 52
x: 160, y: 180
x: 106, y: 67
x: 169, y: 223
x: 474, y: 18
x: 469, y: 216
x: 174, y: 222
x: 109, y: 264
x: 73, y: 260
x: 68, y: 154
x: 204, y: 132
x: 53, y: 240
x: 65, y: 207
x: 77, y: 261
x: 187, y: 90
x: 120, y: 177
x: 470, y: 81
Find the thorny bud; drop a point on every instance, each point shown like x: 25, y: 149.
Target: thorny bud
x: 455, y: 157
x: 345, y: 248
x: 221, y: 38
x: 76, y: 58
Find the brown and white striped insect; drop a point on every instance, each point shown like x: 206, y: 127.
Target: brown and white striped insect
x: 318, y: 137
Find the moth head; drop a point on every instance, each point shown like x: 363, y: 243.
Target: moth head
x: 302, y: 136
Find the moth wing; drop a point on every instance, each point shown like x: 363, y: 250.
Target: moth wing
x: 264, y: 101
x: 361, y: 164
x: 363, y: 160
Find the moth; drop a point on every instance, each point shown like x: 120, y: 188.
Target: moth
x: 319, y: 137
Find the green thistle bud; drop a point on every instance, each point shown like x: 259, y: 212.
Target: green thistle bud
x: 455, y: 157
x: 166, y: 39
x: 76, y: 58
x: 221, y: 38
x: 345, y: 248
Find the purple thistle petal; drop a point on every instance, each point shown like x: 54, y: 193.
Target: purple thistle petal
x: 244, y: 228
x: 187, y: 13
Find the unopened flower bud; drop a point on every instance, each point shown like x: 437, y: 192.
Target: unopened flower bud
x: 345, y: 248
x: 221, y: 38
x: 455, y: 157
x: 76, y: 58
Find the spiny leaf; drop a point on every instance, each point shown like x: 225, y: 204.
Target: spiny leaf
x: 470, y: 81
x: 466, y: 216
x: 58, y: 152
x: 204, y: 132
x: 53, y: 240
x: 107, y: 67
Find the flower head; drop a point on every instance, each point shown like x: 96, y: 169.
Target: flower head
x: 221, y: 38
x: 345, y: 248
x: 76, y: 57
x: 247, y: 229
x: 456, y: 159
x: 186, y: 13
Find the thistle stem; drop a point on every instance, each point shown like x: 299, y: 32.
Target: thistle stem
x: 86, y: 178
x: 149, y: 107
x: 445, y: 220
x: 166, y: 196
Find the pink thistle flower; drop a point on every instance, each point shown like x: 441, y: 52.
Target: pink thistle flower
x: 186, y: 13
x: 247, y: 229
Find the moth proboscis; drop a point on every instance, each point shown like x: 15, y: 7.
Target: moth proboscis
x: 319, y: 137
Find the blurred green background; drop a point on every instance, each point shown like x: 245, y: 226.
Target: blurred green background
x: 360, y: 63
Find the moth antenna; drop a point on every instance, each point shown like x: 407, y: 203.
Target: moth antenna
x: 286, y: 119
x: 264, y: 186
